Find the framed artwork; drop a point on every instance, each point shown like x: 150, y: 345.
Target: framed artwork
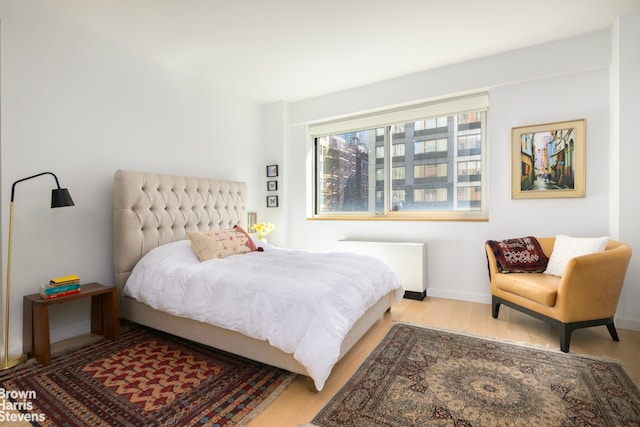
x: 252, y: 219
x: 272, y: 201
x: 272, y: 185
x: 272, y: 171
x: 548, y: 160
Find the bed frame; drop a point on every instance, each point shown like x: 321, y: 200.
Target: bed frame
x: 151, y: 210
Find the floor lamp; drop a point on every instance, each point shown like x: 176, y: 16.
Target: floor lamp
x: 59, y: 197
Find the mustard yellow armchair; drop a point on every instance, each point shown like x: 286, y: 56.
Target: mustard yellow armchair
x: 586, y: 295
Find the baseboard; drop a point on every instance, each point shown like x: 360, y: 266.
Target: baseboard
x: 61, y: 334
x: 621, y: 322
x: 460, y: 296
x: 630, y: 324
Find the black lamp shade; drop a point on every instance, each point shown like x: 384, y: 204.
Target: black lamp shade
x: 60, y: 197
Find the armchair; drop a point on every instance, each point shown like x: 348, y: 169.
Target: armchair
x: 586, y: 295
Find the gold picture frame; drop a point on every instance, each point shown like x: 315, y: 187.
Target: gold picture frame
x: 548, y: 160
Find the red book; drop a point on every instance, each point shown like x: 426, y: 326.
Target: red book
x: 60, y: 294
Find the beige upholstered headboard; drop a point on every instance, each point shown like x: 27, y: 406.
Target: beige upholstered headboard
x: 151, y: 209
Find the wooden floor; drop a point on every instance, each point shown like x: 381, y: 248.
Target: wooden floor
x: 297, y: 405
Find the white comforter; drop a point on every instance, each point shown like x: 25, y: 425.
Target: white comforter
x: 301, y: 302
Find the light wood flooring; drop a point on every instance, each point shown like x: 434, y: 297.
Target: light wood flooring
x: 297, y: 405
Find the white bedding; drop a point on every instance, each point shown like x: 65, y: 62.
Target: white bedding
x: 301, y: 302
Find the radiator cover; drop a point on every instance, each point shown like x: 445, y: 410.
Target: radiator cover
x: 408, y: 260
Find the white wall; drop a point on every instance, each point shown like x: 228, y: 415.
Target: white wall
x: 560, y: 81
x: 83, y: 106
x: 627, y: 34
x: 275, y: 130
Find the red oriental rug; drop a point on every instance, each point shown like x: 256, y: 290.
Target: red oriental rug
x: 147, y: 378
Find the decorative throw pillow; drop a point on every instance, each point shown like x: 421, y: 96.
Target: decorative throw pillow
x: 250, y: 243
x: 220, y: 243
x: 520, y: 255
x: 565, y: 248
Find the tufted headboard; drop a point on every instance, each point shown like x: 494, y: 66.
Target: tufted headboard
x: 151, y: 209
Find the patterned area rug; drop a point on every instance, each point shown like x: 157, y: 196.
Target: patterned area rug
x: 147, y: 378
x: 425, y: 377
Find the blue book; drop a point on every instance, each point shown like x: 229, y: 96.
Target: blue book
x: 49, y: 290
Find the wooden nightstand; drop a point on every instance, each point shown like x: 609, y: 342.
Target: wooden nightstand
x: 104, y: 318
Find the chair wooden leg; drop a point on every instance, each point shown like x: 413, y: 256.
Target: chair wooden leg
x: 565, y: 337
x: 612, y: 330
x: 564, y: 329
x: 496, y: 308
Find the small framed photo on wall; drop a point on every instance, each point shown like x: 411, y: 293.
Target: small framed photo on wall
x: 252, y: 219
x: 272, y: 171
x: 272, y: 201
x: 272, y: 185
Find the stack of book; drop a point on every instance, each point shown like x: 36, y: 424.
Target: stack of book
x: 60, y: 287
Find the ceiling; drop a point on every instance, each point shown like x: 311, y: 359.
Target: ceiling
x: 287, y: 50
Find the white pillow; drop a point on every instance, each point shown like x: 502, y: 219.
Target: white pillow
x: 566, y: 247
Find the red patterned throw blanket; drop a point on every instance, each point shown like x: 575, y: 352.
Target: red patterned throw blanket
x: 520, y: 255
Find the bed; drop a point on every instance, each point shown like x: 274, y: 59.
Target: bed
x: 153, y: 213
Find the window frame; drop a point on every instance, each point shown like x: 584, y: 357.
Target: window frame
x: 386, y: 119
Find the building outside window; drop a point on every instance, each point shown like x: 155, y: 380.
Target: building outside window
x: 390, y: 167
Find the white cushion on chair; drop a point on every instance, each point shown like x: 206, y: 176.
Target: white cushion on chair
x: 566, y: 247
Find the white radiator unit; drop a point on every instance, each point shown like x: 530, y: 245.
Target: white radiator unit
x: 408, y: 260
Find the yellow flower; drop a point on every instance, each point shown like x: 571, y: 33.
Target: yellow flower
x: 263, y: 229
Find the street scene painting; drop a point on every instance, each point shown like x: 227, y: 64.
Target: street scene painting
x: 548, y: 160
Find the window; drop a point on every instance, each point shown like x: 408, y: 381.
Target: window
x: 469, y: 142
x: 469, y: 194
x: 430, y: 195
x: 430, y: 146
x: 423, y: 162
x: 429, y: 171
x: 471, y: 167
x: 398, y: 128
x: 430, y: 123
x: 398, y: 172
x: 397, y: 150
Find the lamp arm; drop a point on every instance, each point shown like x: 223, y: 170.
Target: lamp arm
x: 13, y: 187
